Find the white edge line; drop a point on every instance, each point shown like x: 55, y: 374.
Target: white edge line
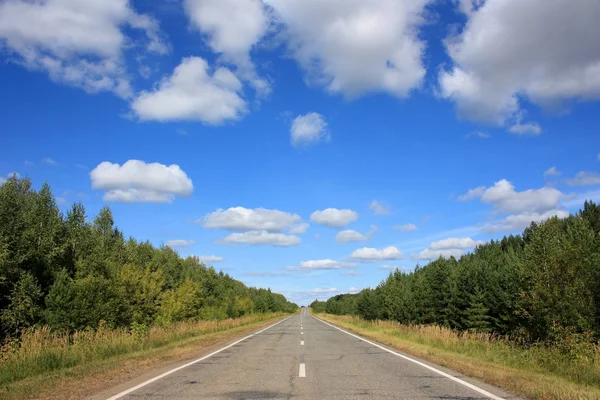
x: 149, y: 381
x: 302, y: 371
x: 455, y: 379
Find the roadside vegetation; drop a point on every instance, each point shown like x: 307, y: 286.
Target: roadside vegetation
x: 529, y: 302
x: 74, y: 291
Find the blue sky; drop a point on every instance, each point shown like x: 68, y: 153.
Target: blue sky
x: 255, y: 134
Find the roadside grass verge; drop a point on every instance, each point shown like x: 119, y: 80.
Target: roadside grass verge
x: 569, y: 371
x: 44, y: 364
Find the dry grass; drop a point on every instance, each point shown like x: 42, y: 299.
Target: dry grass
x: 47, y: 365
x: 539, y: 372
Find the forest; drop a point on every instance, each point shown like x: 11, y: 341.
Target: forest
x: 66, y: 272
x: 540, y: 286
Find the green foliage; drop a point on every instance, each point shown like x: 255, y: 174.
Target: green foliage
x: 541, y: 287
x: 72, y: 274
x: 23, y: 309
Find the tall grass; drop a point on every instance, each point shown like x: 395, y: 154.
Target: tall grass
x: 41, y: 350
x: 572, y: 359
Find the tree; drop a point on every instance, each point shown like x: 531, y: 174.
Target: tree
x: 24, y: 309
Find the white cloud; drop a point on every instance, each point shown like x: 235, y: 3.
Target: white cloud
x: 389, y: 267
x: 353, y: 290
x: 552, y: 171
x: 429, y: 254
x: 2, y: 180
x: 246, y: 219
x: 585, y: 178
x: 378, y: 208
x: 333, y: 217
x: 28, y: 163
x: 472, y: 194
x: 497, y: 57
x: 137, y: 181
x: 300, y: 228
x: 61, y: 201
x: 309, y: 128
x: 209, y: 259
x: 518, y: 222
x: 326, y: 264
x: 261, y: 238
x: 479, y: 134
x: 192, y: 93
x: 531, y: 128
x: 506, y: 199
x: 325, y: 290
x: 406, y: 227
x: 179, y: 243
x: 367, y: 254
x: 350, y: 235
x: 456, y: 243
x: 355, y: 47
x: 80, y: 43
x: 49, y: 161
x: 232, y: 28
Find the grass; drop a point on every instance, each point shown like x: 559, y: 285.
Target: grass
x: 569, y: 371
x: 43, y: 363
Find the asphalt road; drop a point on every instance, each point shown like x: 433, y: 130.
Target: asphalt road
x: 305, y: 358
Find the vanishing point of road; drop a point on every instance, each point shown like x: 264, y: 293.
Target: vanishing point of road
x: 302, y: 357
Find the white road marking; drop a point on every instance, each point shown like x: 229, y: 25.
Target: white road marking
x: 302, y: 343
x: 302, y: 333
x: 302, y: 372
x: 149, y: 381
x: 455, y: 379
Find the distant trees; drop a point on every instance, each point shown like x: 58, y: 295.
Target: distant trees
x: 543, y: 285
x: 70, y: 273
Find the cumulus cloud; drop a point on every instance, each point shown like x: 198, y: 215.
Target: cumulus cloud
x: 430, y: 254
x: 446, y: 248
x: 209, y: 259
x: 350, y: 235
x: 550, y: 172
x: 258, y: 219
x: 300, y: 228
x: 378, y: 208
x: 333, y: 217
x: 308, y: 129
x: 479, y: 134
x: 325, y: 264
x: 520, y: 221
x: 355, y: 47
x: 179, y: 243
x: 80, y: 43
x: 136, y: 181
x: 193, y: 93
x: 261, y: 238
x: 497, y: 58
x: 406, y: 227
x: 387, y: 267
x: 472, y: 194
x: 505, y: 199
x: 367, y: 254
x: 456, y: 243
x: 585, y: 178
x: 232, y: 28
x: 325, y: 290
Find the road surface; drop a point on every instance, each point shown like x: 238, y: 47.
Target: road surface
x: 302, y: 357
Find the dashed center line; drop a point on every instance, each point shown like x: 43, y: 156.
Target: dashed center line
x: 302, y: 343
x: 302, y: 372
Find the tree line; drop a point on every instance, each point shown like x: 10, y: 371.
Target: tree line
x: 66, y: 272
x: 543, y: 285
